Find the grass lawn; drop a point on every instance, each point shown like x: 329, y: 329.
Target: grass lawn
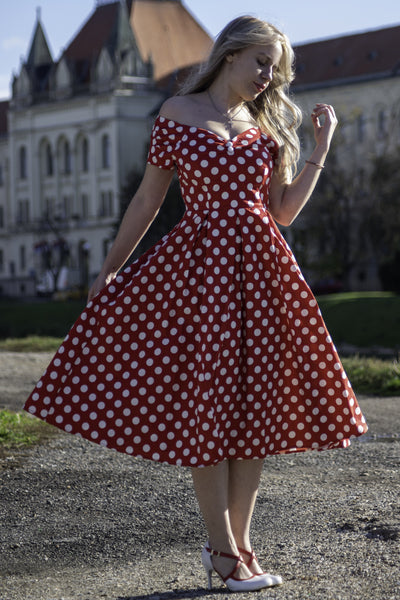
x: 363, y: 319
x: 20, y: 429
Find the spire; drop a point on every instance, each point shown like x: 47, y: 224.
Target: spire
x: 122, y: 38
x: 39, y: 53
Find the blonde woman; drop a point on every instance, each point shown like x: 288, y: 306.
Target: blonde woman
x: 210, y: 351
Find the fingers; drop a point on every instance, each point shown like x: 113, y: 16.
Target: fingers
x: 325, y: 110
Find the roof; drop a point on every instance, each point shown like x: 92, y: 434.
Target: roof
x: 3, y: 118
x: 163, y: 31
x: 361, y: 56
x: 94, y: 34
x: 108, y: 27
x: 168, y: 34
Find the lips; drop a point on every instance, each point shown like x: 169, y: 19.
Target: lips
x: 260, y: 87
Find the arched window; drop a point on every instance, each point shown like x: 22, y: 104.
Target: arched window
x: 23, y: 170
x: 105, y: 152
x: 67, y: 158
x: 49, y: 161
x: 85, y: 155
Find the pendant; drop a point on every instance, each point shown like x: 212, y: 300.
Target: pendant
x: 228, y: 123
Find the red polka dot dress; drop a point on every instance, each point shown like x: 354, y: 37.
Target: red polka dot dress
x: 211, y: 346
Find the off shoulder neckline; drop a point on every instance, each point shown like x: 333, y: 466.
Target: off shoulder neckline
x: 210, y: 132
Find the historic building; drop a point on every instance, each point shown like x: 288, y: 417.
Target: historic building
x: 359, y: 75
x: 75, y: 128
x: 73, y: 131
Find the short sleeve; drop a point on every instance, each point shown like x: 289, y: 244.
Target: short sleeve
x: 272, y: 148
x: 162, y: 144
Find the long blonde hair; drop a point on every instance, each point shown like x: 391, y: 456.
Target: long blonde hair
x: 273, y: 110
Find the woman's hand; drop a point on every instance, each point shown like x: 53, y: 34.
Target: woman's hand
x: 323, y: 128
x: 100, y: 282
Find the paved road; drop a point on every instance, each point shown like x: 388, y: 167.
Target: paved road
x: 78, y: 522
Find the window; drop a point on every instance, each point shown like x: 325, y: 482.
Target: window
x: 22, y: 258
x: 23, y: 171
x: 1, y: 217
x: 1, y: 260
x: 23, y: 212
x: 84, y: 206
x: 67, y: 158
x: 66, y: 208
x: 49, y: 161
x: 105, y: 152
x: 1, y: 176
x: 106, y: 248
x: 106, y: 204
x: 85, y: 155
x: 48, y: 209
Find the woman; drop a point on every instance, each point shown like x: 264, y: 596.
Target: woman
x: 210, y: 351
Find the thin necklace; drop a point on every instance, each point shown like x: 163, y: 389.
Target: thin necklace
x: 228, y: 118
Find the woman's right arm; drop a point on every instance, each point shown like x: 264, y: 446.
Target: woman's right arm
x: 138, y: 217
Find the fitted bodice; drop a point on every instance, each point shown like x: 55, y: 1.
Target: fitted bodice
x: 212, y: 169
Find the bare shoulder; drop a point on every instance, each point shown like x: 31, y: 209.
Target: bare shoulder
x: 180, y: 108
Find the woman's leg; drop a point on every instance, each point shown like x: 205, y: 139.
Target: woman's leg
x: 244, y: 481
x: 226, y: 494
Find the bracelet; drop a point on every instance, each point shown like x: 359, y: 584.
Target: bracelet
x: 310, y: 162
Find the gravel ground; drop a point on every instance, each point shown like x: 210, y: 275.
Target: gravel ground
x: 79, y: 522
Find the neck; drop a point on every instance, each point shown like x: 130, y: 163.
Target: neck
x: 225, y: 100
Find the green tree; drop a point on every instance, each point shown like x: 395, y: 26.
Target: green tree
x: 384, y: 218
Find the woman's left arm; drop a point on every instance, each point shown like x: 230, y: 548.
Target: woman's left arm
x: 286, y: 201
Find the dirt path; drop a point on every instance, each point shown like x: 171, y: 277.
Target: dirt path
x: 78, y: 522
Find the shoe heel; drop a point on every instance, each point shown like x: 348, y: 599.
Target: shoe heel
x: 209, y: 576
x: 207, y: 564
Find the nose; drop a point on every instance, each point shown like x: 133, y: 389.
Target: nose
x: 268, y: 73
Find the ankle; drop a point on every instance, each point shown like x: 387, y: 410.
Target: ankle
x: 224, y: 545
x: 228, y: 567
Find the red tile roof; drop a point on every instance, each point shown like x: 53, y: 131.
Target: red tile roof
x: 372, y: 54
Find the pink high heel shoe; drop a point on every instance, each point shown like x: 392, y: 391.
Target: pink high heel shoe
x: 250, y: 584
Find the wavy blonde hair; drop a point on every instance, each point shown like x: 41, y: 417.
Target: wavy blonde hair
x: 273, y: 110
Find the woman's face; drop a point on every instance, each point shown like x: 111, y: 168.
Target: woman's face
x: 252, y: 69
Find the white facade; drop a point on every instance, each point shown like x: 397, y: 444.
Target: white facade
x: 70, y: 145
x: 67, y: 163
x: 369, y: 119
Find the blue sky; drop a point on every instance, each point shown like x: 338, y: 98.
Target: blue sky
x: 302, y: 21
